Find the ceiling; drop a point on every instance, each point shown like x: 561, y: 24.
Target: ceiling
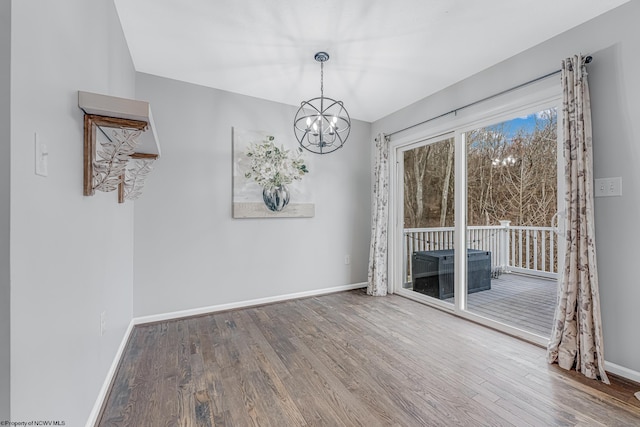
x: 384, y: 55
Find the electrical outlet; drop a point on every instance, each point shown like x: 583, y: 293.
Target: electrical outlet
x: 103, y: 322
x: 347, y: 259
x: 608, y: 187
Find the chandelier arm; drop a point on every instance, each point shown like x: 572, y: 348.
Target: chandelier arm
x: 334, y: 102
x: 310, y: 105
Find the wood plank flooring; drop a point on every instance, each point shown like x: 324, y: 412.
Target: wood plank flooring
x: 347, y: 359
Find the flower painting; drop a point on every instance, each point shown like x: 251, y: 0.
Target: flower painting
x: 270, y: 177
x: 272, y: 166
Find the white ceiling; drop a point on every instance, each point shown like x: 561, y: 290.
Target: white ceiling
x: 385, y: 54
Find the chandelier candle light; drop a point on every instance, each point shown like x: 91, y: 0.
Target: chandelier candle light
x: 322, y: 124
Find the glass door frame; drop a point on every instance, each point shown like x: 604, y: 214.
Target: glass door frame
x: 397, y: 218
x: 457, y: 127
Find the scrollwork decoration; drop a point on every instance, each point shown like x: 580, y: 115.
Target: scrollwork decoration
x: 112, y: 158
x: 135, y: 176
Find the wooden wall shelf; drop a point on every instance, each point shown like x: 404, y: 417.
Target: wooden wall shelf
x: 122, y: 159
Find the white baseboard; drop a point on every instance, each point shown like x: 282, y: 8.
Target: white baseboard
x: 242, y: 304
x: 95, y: 412
x: 621, y: 371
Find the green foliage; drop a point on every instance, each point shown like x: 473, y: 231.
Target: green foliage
x: 272, y: 166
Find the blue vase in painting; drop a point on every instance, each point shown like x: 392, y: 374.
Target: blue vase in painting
x: 276, y: 198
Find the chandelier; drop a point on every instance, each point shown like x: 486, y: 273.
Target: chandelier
x: 322, y: 124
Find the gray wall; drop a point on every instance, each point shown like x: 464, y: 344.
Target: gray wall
x: 190, y: 253
x: 71, y: 256
x: 5, y: 167
x: 614, y: 41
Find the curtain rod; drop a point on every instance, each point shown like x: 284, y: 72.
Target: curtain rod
x: 587, y: 60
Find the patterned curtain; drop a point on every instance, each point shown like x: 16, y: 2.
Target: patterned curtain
x: 377, y: 280
x: 576, y: 339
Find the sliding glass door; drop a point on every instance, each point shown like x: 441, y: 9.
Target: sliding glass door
x: 512, y: 200
x: 428, y: 211
x: 492, y: 188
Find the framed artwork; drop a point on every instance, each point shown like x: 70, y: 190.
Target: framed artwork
x: 271, y: 177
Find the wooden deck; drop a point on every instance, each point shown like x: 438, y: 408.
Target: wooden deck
x: 526, y: 302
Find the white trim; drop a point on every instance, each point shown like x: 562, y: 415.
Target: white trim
x: 395, y: 205
x: 460, y: 221
x: 478, y: 117
x: 243, y: 304
x: 537, y: 273
x: 621, y: 371
x: 102, y: 395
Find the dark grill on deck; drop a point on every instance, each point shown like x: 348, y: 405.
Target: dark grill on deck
x: 432, y: 272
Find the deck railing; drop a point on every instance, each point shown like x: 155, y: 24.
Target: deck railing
x: 531, y: 250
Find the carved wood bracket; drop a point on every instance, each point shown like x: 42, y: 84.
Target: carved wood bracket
x: 115, y: 162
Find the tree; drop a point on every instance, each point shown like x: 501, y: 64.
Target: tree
x: 428, y: 177
x: 511, y: 175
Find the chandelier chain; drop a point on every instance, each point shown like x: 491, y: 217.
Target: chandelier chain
x: 322, y: 79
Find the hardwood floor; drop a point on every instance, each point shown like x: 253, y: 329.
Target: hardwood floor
x: 347, y: 359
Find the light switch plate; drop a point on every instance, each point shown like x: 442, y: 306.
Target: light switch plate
x: 608, y: 187
x: 41, y: 157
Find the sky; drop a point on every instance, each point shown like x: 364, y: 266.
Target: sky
x: 526, y: 123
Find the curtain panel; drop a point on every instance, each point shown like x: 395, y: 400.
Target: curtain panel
x: 377, y: 282
x: 576, y: 338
